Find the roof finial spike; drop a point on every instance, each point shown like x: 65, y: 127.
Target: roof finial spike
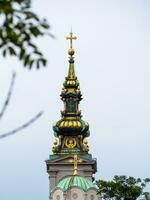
x: 71, y: 29
x: 71, y: 51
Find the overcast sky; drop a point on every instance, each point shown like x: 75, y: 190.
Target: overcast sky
x: 112, y: 62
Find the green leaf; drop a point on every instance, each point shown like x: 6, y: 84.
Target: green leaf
x: 33, y: 45
x: 20, y: 26
x: 38, y: 53
x: 12, y: 51
x: 45, y: 25
x: 147, y: 180
x: 37, y: 64
x: 31, y: 15
x: 4, y: 52
x: 35, y: 31
x: 43, y: 61
x: 22, y: 53
x: 31, y: 63
x: 27, y: 60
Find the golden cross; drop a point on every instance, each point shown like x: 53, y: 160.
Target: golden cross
x: 71, y: 38
x: 75, y: 161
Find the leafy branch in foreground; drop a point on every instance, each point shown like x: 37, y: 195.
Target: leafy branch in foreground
x: 19, y: 26
x: 123, y: 188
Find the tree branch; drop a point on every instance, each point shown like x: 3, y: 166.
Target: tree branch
x: 25, y: 125
x: 8, y: 95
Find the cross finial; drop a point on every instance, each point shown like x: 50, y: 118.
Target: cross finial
x: 75, y: 161
x: 71, y: 38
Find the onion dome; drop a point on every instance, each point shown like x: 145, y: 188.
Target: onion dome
x: 71, y: 128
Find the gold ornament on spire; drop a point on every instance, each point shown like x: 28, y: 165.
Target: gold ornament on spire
x: 71, y: 51
x: 75, y: 161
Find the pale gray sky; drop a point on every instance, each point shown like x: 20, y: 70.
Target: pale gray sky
x: 113, y: 67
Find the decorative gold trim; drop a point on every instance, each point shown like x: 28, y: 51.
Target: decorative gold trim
x: 70, y: 142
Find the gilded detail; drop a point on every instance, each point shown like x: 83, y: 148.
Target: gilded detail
x: 75, y: 162
x: 70, y: 142
x: 71, y: 51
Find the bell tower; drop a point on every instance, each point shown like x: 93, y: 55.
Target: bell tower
x: 71, y: 132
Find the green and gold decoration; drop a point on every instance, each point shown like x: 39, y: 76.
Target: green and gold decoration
x: 71, y: 130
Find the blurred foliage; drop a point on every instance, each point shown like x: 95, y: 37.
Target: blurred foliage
x: 19, y: 27
x: 123, y: 188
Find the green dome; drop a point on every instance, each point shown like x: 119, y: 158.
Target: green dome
x: 77, y: 181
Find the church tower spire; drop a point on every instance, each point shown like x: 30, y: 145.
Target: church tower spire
x: 71, y: 149
x: 71, y: 130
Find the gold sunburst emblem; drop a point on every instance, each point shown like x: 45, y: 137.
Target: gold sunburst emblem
x: 70, y: 142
